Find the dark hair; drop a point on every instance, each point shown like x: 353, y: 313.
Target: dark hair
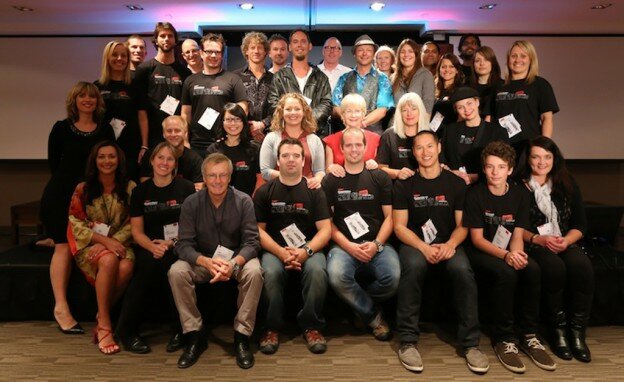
x: 500, y: 150
x: 400, y: 76
x: 213, y: 37
x: 459, y: 77
x: 277, y: 37
x: 562, y: 184
x: 160, y: 26
x: 426, y: 132
x: 290, y: 141
x: 245, y: 136
x: 495, y: 74
x: 305, y: 32
x: 93, y: 187
x: 463, y: 38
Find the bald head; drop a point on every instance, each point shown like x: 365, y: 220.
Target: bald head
x: 332, y: 51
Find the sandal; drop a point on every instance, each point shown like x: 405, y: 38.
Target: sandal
x: 106, y: 349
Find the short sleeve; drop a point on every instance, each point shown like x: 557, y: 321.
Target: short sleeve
x: 472, y: 209
x: 547, y: 100
x: 321, y: 208
x: 399, y: 200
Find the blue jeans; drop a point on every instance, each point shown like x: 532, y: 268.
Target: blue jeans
x: 385, y: 269
x: 314, y: 288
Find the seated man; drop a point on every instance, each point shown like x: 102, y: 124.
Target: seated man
x: 294, y: 224
x: 427, y: 214
x: 175, y: 131
x: 218, y: 242
x: 362, y: 204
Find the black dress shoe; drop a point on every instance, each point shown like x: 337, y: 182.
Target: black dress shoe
x: 579, y: 348
x: 244, y: 356
x: 76, y: 329
x: 197, y: 343
x: 176, y: 342
x: 560, y: 345
x: 135, y: 344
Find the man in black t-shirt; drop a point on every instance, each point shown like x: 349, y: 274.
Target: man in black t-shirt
x: 467, y: 47
x: 294, y: 224
x: 159, y: 85
x: 362, y: 223
x: 497, y: 214
x: 175, y: 131
x: 204, y: 94
x: 428, y: 209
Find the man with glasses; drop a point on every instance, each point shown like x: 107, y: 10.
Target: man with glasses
x: 190, y: 53
x: 332, y: 51
x: 204, y: 94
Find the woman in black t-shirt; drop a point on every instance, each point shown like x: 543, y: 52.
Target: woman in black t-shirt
x: 154, y: 214
x: 486, y: 79
x: 449, y: 76
x: 558, y: 222
x: 235, y: 142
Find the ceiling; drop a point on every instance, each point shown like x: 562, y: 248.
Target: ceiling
x: 80, y: 17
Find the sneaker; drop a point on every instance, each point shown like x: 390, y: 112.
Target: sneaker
x: 269, y: 343
x: 381, y: 330
x: 477, y: 361
x: 507, y: 354
x: 315, y: 340
x: 410, y: 357
x: 532, y: 346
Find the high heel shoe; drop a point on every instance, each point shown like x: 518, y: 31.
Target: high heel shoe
x: 76, y: 329
x: 106, y: 349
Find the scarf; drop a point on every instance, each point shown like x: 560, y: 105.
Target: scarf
x: 545, y: 204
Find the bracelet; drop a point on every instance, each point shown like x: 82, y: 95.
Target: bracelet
x: 144, y: 148
x: 533, y: 237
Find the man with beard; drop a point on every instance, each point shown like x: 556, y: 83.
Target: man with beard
x: 159, y: 85
x: 278, y: 52
x: 468, y: 45
x: 190, y: 53
x: 302, y: 77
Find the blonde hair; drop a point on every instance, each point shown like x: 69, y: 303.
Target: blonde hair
x: 308, y: 124
x: 106, y: 70
x: 352, y: 99
x: 386, y: 48
x: 254, y: 37
x: 175, y: 118
x: 414, y: 100
x: 90, y: 89
x: 529, y: 49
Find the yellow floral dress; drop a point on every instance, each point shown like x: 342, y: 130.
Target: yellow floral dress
x: 107, y: 209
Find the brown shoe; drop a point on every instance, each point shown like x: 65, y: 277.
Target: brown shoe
x: 269, y: 343
x: 315, y: 340
x: 531, y: 345
x: 507, y: 354
x: 382, y: 332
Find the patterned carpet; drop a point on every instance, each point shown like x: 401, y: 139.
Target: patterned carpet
x: 37, y: 351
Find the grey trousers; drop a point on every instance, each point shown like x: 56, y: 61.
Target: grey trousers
x: 183, y: 277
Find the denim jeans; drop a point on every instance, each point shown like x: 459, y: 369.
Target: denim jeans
x: 414, y: 268
x: 314, y: 288
x: 385, y: 268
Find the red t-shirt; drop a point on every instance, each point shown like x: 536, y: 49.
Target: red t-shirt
x: 333, y: 142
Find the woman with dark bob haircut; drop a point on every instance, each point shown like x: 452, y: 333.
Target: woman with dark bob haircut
x: 557, y: 220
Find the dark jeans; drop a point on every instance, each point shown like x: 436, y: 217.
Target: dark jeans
x: 149, y: 274
x: 414, y: 267
x: 504, y: 284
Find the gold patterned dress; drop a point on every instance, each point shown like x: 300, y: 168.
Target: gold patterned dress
x: 106, y: 209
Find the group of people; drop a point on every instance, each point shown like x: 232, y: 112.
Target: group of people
x: 165, y: 176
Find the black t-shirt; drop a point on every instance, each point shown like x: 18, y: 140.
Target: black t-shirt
x: 444, y: 106
x: 122, y: 103
x: 159, y: 206
x: 488, y: 211
x: 487, y: 96
x: 436, y: 199
x: 396, y: 152
x: 214, y: 91
x: 365, y: 193
x: 189, y: 166
x: 527, y: 102
x: 154, y: 81
x: 279, y: 206
x: 246, y: 164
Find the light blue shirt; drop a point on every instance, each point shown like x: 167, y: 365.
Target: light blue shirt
x: 384, y: 94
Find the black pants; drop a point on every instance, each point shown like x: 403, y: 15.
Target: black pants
x: 568, y: 274
x: 504, y: 285
x: 150, y: 275
x: 413, y: 270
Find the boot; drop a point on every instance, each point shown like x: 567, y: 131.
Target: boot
x: 581, y: 306
x: 559, y: 342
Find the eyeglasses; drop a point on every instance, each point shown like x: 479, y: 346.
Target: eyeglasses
x: 211, y: 52
x: 332, y: 48
x: 232, y: 120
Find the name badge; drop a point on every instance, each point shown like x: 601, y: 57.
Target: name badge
x: 208, y: 118
x: 510, y: 123
x: 293, y: 236
x: 223, y: 253
x: 357, y: 226
x: 463, y: 169
x: 502, y: 237
x: 118, y: 126
x: 429, y: 231
x: 170, y: 231
x: 169, y: 105
x: 101, y: 229
x: 435, y: 123
x: 547, y: 229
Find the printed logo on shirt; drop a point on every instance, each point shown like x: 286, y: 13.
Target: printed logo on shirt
x: 199, y: 90
x: 504, y: 220
x: 153, y: 206
x: 163, y: 80
x: 403, y: 152
x: 241, y: 166
x: 464, y: 140
x: 506, y: 96
x: 278, y: 207
x: 421, y: 201
x: 343, y: 195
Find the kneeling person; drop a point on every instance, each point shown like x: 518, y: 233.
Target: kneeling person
x: 362, y: 204
x: 428, y: 209
x: 218, y: 240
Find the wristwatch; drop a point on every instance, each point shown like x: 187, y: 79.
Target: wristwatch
x: 235, y: 267
x: 308, y: 250
x: 380, y: 247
